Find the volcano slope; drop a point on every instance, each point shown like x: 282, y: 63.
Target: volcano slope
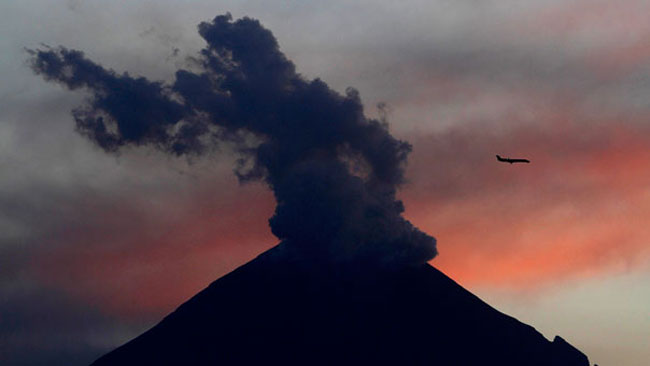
x: 282, y: 309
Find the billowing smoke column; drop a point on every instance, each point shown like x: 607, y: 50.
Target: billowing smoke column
x: 333, y: 171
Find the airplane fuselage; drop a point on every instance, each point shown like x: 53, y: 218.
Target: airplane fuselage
x: 512, y: 161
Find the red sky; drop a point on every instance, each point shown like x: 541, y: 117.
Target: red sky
x: 577, y: 210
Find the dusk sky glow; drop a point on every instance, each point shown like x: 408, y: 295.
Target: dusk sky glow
x: 95, y: 248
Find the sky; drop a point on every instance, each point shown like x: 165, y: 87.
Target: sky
x: 95, y: 248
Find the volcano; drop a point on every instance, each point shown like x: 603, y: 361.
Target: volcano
x: 283, y: 309
x: 349, y: 282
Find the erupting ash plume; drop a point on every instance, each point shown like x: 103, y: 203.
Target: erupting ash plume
x: 333, y: 171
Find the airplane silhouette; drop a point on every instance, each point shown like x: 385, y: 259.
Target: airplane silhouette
x: 508, y: 160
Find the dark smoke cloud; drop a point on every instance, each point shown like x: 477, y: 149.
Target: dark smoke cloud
x: 333, y: 171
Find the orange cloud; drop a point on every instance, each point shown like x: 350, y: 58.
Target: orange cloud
x: 142, y: 261
x: 580, y: 207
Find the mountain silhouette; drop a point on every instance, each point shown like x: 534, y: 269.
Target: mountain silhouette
x: 281, y: 308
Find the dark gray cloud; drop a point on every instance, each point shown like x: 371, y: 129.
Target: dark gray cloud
x: 333, y: 171
x: 40, y: 326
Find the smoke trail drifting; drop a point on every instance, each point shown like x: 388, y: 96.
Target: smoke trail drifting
x: 333, y: 171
